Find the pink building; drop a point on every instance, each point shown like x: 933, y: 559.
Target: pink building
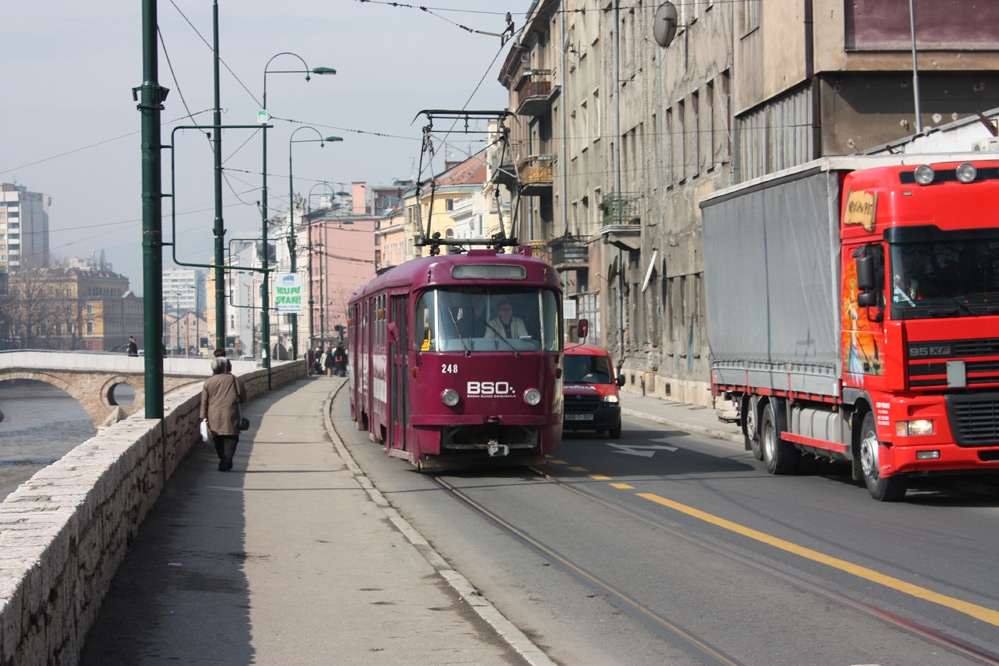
x: 343, y: 255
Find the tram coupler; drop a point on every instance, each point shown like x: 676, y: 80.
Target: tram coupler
x: 497, y: 450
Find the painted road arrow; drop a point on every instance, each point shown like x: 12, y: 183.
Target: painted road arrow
x: 644, y: 451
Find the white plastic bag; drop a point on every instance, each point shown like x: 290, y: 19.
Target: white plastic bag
x: 204, y: 431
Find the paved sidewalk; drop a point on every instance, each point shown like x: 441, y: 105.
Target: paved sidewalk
x: 290, y: 559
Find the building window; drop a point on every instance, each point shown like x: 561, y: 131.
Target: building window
x: 90, y: 309
x: 90, y: 327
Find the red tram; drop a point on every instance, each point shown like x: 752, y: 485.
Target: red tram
x: 457, y: 358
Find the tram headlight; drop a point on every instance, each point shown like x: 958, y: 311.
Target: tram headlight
x: 532, y: 396
x: 449, y: 397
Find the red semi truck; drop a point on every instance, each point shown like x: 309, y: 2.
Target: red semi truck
x: 853, y: 314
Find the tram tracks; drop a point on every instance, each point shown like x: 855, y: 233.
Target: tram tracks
x: 667, y: 628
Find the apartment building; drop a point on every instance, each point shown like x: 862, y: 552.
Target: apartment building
x: 24, y: 228
x: 184, y: 290
x: 617, y: 138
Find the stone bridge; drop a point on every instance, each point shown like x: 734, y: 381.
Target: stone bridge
x: 91, y: 377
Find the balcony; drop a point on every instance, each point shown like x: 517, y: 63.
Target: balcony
x: 622, y: 223
x: 570, y: 252
x: 540, y: 250
x: 535, y: 93
x: 536, y: 175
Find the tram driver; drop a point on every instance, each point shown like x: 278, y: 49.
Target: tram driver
x: 506, y: 325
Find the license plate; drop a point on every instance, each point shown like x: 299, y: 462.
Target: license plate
x: 579, y: 417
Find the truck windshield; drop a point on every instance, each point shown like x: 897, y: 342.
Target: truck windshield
x: 484, y: 319
x: 950, y: 274
x: 587, y: 369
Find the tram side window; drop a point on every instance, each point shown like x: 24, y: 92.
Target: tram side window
x: 423, y: 324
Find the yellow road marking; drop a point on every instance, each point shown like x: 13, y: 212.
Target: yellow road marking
x: 599, y: 477
x: 974, y: 610
x: 557, y: 462
x: 578, y: 469
x: 622, y: 486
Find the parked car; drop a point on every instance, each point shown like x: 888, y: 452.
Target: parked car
x: 590, y: 390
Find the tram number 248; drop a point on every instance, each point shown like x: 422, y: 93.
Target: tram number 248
x: 489, y: 388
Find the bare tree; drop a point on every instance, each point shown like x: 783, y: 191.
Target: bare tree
x: 39, y: 309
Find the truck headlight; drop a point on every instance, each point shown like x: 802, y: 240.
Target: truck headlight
x: 532, y: 396
x: 611, y: 398
x: 966, y: 173
x: 449, y: 397
x: 910, y: 428
x: 923, y: 174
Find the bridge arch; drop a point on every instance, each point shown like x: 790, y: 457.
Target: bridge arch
x: 95, y: 403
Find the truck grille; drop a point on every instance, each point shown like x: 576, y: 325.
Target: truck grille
x: 581, y: 404
x: 974, y: 418
x: 927, y: 362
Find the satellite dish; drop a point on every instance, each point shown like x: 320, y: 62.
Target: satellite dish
x: 665, y: 25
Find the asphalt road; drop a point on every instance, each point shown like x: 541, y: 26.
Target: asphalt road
x: 666, y: 548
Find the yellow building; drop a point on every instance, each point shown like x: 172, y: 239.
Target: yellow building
x: 71, y: 308
x: 437, y: 203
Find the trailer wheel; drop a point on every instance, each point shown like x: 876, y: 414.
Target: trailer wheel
x: 883, y: 489
x: 750, y: 428
x: 779, y: 456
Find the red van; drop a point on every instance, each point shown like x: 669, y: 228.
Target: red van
x: 589, y: 388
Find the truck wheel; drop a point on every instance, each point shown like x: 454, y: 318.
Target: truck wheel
x: 615, y: 432
x: 779, y: 456
x: 750, y: 428
x: 883, y: 489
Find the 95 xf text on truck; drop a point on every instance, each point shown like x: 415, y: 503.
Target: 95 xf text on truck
x: 853, y: 314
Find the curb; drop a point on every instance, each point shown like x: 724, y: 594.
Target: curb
x: 506, y: 630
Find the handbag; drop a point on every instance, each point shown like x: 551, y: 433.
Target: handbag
x: 244, y: 423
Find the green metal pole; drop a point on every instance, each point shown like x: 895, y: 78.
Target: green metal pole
x: 291, y: 250
x: 150, y: 97
x: 265, y: 319
x: 220, y: 339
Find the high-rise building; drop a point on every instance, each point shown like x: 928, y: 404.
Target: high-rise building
x: 24, y: 228
x: 183, y: 290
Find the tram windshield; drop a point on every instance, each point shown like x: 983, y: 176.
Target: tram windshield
x: 478, y: 319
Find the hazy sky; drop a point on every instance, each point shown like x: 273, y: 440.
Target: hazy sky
x: 70, y: 128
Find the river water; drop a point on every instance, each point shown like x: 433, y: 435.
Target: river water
x: 41, y: 424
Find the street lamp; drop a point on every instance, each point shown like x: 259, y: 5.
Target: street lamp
x: 265, y: 328
x: 312, y: 302
x: 291, y: 216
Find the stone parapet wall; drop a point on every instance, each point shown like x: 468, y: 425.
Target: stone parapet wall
x: 65, y: 531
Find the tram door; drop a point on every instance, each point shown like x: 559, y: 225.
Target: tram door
x: 398, y: 379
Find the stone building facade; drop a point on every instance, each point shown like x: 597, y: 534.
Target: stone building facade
x: 617, y: 138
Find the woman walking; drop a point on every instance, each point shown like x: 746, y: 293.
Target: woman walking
x: 221, y: 397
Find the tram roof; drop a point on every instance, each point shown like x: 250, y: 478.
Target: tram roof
x: 434, y: 271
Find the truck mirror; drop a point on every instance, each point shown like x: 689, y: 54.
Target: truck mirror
x: 865, y: 270
x: 867, y: 299
x: 582, y: 327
